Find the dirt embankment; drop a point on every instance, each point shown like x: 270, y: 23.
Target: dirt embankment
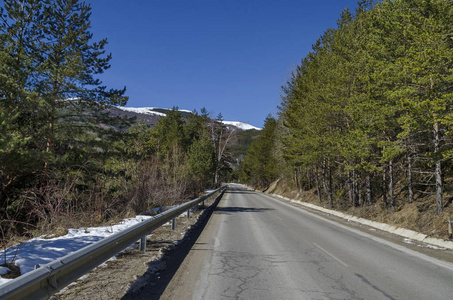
x: 133, y: 269
x: 419, y: 216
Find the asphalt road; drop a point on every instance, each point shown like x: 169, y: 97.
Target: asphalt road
x: 257, y: 247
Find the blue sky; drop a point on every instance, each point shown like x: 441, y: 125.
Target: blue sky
x: 229, y: 56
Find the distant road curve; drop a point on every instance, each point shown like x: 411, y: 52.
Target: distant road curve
x: 256, y: 247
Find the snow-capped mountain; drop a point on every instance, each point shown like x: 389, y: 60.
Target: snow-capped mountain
x: 142, y: 110
x: 155, y: 113
x: 150, y: 110
x: 241, y: 125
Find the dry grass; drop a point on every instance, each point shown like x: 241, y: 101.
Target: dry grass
x: 418, y: 216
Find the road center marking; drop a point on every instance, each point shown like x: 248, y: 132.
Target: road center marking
x: 331, y: 255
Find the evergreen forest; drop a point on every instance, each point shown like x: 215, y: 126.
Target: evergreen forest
x: 365, y: 121
x: 366, y: 118
x: 64, y: 160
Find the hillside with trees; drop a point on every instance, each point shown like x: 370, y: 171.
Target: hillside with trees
x: 366, y: 118
x: 68, y: 156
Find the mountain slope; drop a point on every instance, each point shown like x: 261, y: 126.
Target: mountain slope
x: 151, y: 115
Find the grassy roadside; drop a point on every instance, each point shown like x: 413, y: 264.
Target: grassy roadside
x: 419, y: 216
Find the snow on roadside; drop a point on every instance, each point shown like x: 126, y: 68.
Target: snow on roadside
x: 410, y: 241
x: 42, y: 251
x: 4, y: 270
x: 435, y: 247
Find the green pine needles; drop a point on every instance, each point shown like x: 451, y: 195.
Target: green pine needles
x: 368, y: 114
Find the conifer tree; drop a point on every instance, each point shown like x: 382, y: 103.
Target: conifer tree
x: 19, y: 157
x: 260, y: 164
x: 70, y: 61
x: 422, y: 75
x: 51, y: 99
x: 364, y: 100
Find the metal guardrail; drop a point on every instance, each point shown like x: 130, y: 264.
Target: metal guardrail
x: 48, y: 279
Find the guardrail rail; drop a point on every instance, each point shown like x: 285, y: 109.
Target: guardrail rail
x: 48, y: 279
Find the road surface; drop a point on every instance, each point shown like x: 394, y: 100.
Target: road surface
x: 257, y: 247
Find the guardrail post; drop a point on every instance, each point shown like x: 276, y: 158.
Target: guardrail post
x: 143, y: 243
x: 47, y: 279
x: 53, y: 282
x: 173, y: 224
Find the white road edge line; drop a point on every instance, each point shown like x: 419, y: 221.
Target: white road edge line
x: 279, y: 218
x: 437, y: 262
x: 331, y: 255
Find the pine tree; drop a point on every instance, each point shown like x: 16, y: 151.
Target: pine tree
x: 18, y: 102
x: 221, y: 137
x: 201, y: 160
x: 422, y: 77
x: 168, y: 135
x: 260, y: 164
x: 73, y: 96
x: 367, y: 97
x: 51, y: 100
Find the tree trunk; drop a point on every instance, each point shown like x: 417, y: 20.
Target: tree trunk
x: 318, y: 188
x: 392, y: 197
x: 409, y: 178
x: 361, y: 201
x: 323, y: 177
x: 330, y: 187
x: 327, y: 187
x: 368, y: 189
x: 384, y: 186
x: 355, y: 190
x: 296, y: 180
x: 439, y: 187
x: 350, y: 188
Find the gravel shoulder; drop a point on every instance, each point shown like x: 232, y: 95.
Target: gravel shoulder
x: 127, y: 275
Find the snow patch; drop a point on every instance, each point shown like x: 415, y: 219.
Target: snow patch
x: 142, y: 110
x: 42, y: 251
x: 151, y: 111
x: 435, y: 247
x: 410, y: 241
x: 241, y: 125
x: 4, y: 270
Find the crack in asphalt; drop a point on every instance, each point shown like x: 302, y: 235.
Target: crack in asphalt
x: 241, y: 267
x: 237, y: 266
x: 373, y: 286
x: 338, y: 285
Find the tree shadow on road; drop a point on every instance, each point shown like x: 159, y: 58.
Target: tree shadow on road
x: 235, y: 209
x: 229, y: 191
x: 159, y: 274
